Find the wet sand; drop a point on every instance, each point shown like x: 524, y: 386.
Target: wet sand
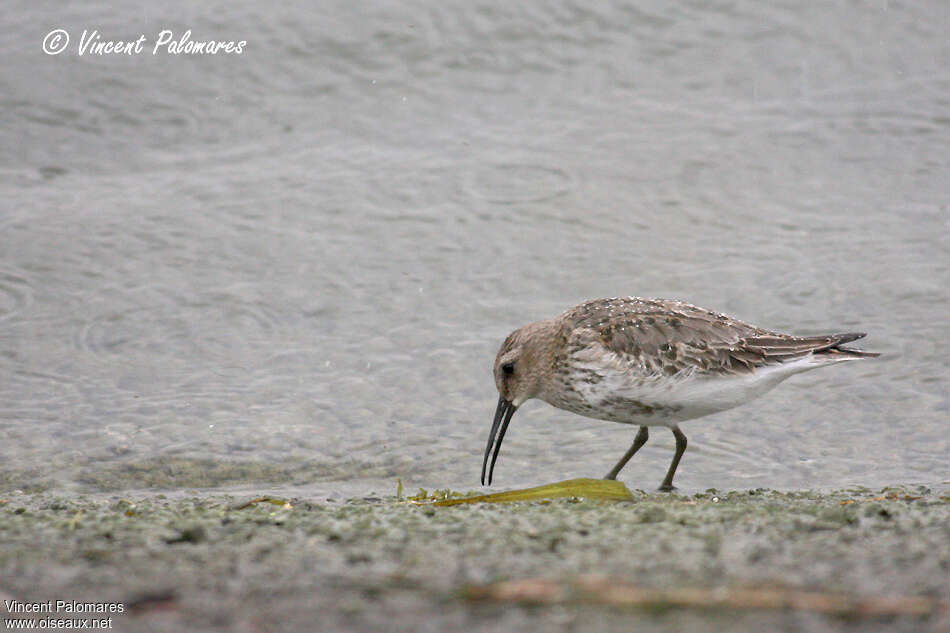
x: 849, y: 560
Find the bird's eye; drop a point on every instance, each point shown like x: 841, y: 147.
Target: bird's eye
x: 508, y: 368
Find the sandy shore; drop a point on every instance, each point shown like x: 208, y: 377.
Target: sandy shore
x: 850, y: 560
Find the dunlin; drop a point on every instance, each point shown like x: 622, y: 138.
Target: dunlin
x: 649, y: 362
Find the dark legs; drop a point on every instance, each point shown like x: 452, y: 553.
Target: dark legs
x: 667, y: 484
x: 638, y: 441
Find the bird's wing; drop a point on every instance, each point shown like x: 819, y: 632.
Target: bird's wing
x: 669, y: 337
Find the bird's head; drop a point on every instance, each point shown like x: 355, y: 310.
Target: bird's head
x: 521, y: 366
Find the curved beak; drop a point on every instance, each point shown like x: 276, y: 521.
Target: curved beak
x: 505, y: 410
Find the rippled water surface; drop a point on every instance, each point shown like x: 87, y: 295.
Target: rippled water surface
x: 294, y: 266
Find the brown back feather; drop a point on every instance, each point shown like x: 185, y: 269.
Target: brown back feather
x: 664, y: 336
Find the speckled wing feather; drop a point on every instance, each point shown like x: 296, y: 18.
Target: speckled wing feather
x: 663, y: 336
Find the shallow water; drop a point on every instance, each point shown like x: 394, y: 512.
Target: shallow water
x: 295, y: 265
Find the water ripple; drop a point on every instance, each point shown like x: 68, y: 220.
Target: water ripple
x: 137, y: 329
x: 515, y: 183
x: 15, y: 294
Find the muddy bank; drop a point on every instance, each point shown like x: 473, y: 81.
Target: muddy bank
x: 848, y: 560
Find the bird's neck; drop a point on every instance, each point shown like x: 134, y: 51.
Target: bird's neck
x: 545, y: 340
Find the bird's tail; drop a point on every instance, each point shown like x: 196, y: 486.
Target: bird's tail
x: 835, y: 347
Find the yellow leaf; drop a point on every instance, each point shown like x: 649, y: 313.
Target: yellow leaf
x: 600, y: 489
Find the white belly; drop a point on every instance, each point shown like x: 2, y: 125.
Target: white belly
x: 623, y: 396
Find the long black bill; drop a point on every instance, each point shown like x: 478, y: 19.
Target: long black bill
x: 505, y: 410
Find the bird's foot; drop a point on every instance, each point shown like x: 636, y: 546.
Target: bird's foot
x: 666, y: 488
